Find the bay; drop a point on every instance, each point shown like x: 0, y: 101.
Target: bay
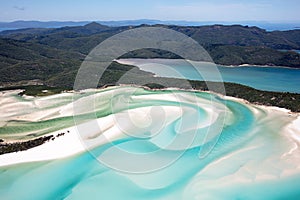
x: 277, y: 79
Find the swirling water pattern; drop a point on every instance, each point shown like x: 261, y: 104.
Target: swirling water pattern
x: 250, y: 152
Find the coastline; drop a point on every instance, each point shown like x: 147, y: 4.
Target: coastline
x: 69, y: 144
x: 56, y: 149
x: 123, y: 61
x: 80, y: 138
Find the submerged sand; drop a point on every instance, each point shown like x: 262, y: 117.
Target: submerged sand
x: 271, y: 152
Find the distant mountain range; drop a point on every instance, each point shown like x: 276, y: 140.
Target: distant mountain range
x: 53, y: 55
x: 57, y: 24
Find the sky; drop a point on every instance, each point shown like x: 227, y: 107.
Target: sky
x: 188, y: 10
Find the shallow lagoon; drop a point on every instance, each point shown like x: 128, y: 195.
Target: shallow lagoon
x: 254, y: 155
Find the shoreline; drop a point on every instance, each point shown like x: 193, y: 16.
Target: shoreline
x: 77, y: 137
x: 120, y: 61
x: 56, y: 149
x: 50, y: 150
x: 161, y: 89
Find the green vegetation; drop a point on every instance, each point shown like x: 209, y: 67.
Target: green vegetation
x: 286, y: 100
x: 45, y: 61
x: 227, y: 45
x: 237, y: 35
x: 256, y: 55
x: 50, y: 58
x: 22, y: 146
x: 36, y: 90
x: 21, y: 61
x: 280, y: 99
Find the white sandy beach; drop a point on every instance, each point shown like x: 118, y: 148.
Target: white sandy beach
x: 88, y: 135
x: 133, y: 61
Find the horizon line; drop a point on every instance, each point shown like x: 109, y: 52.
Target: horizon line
x: 171, y: 20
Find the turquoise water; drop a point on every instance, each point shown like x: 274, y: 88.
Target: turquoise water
x: 263, y: 78
x: 284, y: 50
x: 235, y: 151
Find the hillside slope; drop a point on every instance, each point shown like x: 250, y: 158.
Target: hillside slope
x: 53, y: 56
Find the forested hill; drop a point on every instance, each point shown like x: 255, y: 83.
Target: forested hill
x: 54, y: 55
x: 236, y: 35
